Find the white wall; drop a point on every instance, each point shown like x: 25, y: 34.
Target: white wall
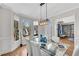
x: 76, y: 50
x: 54, y: 26
x: 7, y: 42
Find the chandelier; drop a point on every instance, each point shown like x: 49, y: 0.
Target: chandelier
x: 43, y: 22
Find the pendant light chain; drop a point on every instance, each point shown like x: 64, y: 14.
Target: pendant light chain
x: 46, y: 11
x: 43, y: 22
x: 40, y: 12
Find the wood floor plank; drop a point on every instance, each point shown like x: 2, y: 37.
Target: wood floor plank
x: 71, y: 47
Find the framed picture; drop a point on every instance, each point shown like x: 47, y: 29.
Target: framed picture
x: 35, y: 30
x: 26, y: 30
x: 16, y: 30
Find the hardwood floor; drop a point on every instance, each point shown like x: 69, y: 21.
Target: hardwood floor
x: 71, y: 47
x: 21, y: 51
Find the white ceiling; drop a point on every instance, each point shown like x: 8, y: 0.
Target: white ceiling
x: 33, y: 9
